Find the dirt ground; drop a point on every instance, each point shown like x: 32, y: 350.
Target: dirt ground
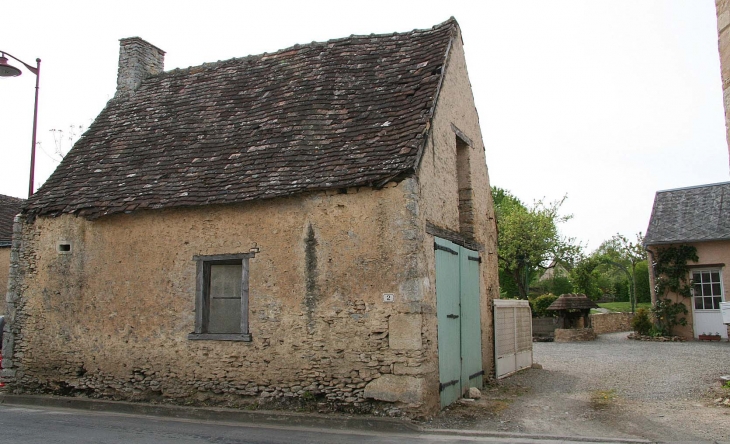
x: 612, y: 388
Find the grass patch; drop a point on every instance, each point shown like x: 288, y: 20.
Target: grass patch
x: 624, y: 307
x: 602, y: 399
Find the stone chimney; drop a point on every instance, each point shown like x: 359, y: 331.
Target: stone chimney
x: 138, y: 59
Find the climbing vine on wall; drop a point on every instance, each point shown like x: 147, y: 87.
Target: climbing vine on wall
x: 671, y: 270
x: 672, y: 275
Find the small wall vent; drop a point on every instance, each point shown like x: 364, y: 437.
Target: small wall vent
x: 64, y: 247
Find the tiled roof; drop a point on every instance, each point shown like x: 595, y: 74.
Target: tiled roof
x: 343, y: 113
x: 700, y: 213
x: 9, y: 207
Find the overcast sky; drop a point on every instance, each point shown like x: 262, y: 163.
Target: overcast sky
x: 606, y: 102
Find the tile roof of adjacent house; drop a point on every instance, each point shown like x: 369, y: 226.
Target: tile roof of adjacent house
x: 9, y: 207
x: 343, y: 113
x: 693, y: 214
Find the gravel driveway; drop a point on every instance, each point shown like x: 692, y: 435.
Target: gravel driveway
x: 612, y: 387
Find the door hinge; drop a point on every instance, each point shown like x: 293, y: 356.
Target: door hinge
x: 444, y: 385
x: 446, y: 249
x: 479, y: 373
x: 475, y: 259
x: 452, y: 316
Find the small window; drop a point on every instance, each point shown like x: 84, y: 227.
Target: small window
x: 221, y: 298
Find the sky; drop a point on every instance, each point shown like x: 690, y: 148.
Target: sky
x: 602, y: 102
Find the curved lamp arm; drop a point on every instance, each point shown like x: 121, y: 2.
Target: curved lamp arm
x: 35, y: 71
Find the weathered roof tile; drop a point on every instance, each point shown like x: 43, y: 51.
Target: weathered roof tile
x: 693, y: 214
x: 9, y: 207
x: 344, y: 113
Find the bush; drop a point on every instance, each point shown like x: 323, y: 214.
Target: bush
x: 667, y: 315
x: 540, y: 304
x: 641, y: 322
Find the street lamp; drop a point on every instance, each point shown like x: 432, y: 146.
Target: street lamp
x: 11, y: 71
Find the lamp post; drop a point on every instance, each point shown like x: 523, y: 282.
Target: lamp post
x: 11, y: 71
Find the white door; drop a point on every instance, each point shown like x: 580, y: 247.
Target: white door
x: 708, y: 293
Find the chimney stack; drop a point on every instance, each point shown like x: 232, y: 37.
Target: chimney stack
x: 138, y: 60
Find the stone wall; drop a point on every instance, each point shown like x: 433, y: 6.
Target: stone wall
x: 574, y: 334
x: 4, y: 270
x: 111, y: 319
x: 611, y: 322
x: 543, y: 327
x: 722, y: 8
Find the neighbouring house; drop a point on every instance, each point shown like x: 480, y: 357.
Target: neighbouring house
x: 310, y: 225
x: 698, y: 216
x: 9, y: 208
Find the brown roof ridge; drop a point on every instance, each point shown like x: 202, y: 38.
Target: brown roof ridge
x: 297, y: 46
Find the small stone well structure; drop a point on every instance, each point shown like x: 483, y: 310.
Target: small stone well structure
x: 574, y: 310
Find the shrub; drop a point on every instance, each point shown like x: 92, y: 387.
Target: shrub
x: 540, y: 304
x: 667, y: 315
x: 641, y: 322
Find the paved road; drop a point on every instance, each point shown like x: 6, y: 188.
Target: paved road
x: 63, y: 426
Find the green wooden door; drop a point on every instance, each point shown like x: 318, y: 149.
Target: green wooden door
x: 471, y: 328
x: 459, y: 320
x: 449, y: 326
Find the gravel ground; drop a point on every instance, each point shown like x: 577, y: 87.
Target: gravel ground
x: 612, y: 387
x: 637, y: 370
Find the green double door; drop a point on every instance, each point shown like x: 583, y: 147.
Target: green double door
x: 459, y: 320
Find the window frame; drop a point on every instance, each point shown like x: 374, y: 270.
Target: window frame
x: 202, y: 296
x: 695, y: 297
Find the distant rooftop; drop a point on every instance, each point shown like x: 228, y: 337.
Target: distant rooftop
x: 692, y: 214
x: 9, y: 207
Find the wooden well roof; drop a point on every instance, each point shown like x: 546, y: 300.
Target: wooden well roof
x: 572, y: 301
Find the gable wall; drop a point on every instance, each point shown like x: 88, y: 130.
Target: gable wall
x: 112, y: 318
x: 439, y: 194
x: 709, y: 253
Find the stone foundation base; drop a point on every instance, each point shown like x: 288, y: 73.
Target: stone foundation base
x: 574, y: 334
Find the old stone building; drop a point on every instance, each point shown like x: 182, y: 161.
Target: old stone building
x: 311, y: 225
x: 9, y: 207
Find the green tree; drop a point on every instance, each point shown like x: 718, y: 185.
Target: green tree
x: 611, y: 268
x: 624, y: 255
x: 529, y: 239
x: 559, y: 285
x: 591, y: 279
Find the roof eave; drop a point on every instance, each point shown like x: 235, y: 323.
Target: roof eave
x: 685, y: 241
